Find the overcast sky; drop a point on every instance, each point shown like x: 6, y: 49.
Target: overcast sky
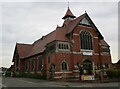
x: 25, y: 22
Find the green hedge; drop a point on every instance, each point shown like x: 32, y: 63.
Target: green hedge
x: 7, y: 74
x: 113, y: 73
x: 29, y: 75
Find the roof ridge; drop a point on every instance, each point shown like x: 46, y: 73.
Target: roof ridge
x: 40, y: 39
x: 23, y: 44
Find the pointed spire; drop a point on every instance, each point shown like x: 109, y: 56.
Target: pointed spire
x: 68, y: 14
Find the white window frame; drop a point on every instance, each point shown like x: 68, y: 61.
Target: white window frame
x: 64, y: 43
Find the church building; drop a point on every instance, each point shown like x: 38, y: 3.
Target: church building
x: 76, y: 48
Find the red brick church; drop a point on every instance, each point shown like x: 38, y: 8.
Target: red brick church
x: 76, y: 46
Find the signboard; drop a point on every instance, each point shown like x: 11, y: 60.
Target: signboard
x: 87, y: 53
x: 88, y: 77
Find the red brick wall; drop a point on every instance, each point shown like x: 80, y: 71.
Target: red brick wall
x: 72, y: 57
x: 22, y: 65
x: 77, y: 57
x: 76, y: 38
x: 106, y: 59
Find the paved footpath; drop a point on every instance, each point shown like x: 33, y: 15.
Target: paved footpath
x: 26, y: 82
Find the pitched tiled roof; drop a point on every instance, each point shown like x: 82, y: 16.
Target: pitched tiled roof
x: 26, y: 50
x: 68, y: 13
x: 76, y: 21
x: 103, y: 43
x: 59, y: 34
x: 23, y: 49
x: 39, y: 45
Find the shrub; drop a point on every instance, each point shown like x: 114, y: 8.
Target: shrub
x: 17, y: 74
x: 34, y: 76
x: 43, y: 77
x: 7, y: 74
x: 29, y: 75
x: 113, y: 73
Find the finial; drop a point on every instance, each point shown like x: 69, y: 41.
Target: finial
x: 85, y: 11
x: 68, y: 4
x: 57, y: 26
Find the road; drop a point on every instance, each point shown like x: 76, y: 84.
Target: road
x: 26, y: 82
x: 0, y: 82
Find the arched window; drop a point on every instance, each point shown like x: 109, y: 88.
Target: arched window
x: 52, y: 68
x: 49, y: 59
x: 88, y: 66
x: 86, y: 40
x: 40, y: 64
x: 106, y: 65
x: 64, y: 66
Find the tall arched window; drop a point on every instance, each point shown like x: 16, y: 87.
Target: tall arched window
x: 86, y: 40
x: 64, y: 66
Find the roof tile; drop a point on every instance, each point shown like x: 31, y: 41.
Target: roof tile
x: 23, y: 49
x: 68, y: 13
x: 39, y: 45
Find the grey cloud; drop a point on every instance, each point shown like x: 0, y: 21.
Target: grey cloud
x: 27, y: 22
x: 60, y: 1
